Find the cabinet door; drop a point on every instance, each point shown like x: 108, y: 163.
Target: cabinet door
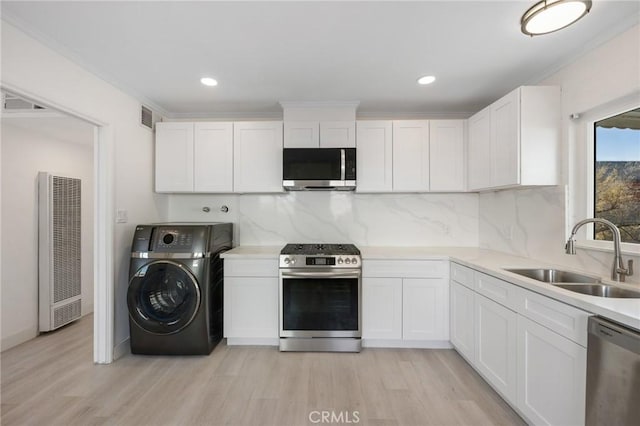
x: 374, y: 156
x: 301, y: 134
x: 479, y: 151
x: 382, y: 308
x: 213, y: 157
x: 337, y: 134
x: 461, y: 320
x: 174, y: 157
x: 425, y: 309
x: 257, y: 157
x: 251, y: 307
x: 551, y: 376
x: 496, y: 346
x: 411, y: 156
x: 446, y: 155
x: 505, y: 137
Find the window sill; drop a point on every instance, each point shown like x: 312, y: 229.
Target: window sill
x: 607, y: 246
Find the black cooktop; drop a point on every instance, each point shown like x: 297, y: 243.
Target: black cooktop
x: 315, y: 249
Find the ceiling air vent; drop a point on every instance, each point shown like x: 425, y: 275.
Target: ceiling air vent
x: 146, y: 117
x: 13, y: 103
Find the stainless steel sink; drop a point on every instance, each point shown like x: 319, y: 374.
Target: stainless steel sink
x: 554, y: 275
x: 601, y: 290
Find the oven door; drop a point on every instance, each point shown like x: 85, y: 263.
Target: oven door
x: 320, y: 303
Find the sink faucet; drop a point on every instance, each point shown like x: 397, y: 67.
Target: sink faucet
x: 618, y: 271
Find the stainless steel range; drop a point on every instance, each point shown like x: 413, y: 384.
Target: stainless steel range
x: 320, y: 298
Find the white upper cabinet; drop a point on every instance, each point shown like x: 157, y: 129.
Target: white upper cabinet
x: 174, y: 157
x: 257, y: 156
x: 411, y: 156
x: 479, y: 150
x: 319, y: 134
x: 337, y: 134
x: 446, y: 155
x: 301, y: 134
x: 521, y: 145
x: 213, y: 157
x: 194, y: 157
x: 374, y: 156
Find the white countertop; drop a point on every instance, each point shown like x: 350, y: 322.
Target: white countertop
x: 625, y: 311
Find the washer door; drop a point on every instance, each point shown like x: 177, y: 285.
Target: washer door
x: 163, y: 297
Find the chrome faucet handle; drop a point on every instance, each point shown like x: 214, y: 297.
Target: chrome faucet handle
x: 629, y: 267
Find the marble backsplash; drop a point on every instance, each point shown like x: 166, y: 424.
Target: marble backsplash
x: 362, y: 219
x: 531, y: 223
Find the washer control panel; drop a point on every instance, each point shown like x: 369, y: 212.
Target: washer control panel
x: 179, y: 239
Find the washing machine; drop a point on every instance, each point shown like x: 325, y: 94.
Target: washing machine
x: 176, y: 287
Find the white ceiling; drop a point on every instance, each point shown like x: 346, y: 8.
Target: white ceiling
x: 265, y: 52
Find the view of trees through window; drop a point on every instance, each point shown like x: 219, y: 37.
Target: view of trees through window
x: 617, y: 175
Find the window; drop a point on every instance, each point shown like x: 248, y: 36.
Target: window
x: 616, y: 175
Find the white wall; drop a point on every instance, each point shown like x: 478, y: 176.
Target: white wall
x: 363, y: 219
x: 28, y: 148
x: 30, y: 67
x: 537, y: 216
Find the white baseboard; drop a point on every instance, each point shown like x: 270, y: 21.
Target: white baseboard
x: 253, y: 341
x: 123, y: 348
x: 417, y: 344
x: 15, y: 339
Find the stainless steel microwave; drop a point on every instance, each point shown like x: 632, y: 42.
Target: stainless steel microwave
x: 308, y: 169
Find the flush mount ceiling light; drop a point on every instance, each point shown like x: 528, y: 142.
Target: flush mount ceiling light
x: 208, y: 81
x: 427, y: 79
x: 548, y: 16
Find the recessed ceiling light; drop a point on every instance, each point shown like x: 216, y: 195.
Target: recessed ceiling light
x: 208, y: 81
x: 427, y: 79
x: 548, y: 16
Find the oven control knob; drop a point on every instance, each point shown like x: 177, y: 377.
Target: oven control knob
x: 354, y: 260
x: 287, y: 260
x: 340, y: 261
x: 347, y: 261
x: 293, y: 260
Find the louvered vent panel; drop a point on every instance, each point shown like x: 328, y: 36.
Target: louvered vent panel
x: 146, y: 117
x: 67, y: 313
x: 66, y: 238
x: 59, y: 251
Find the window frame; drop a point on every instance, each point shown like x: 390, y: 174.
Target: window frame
x: 584, y: 207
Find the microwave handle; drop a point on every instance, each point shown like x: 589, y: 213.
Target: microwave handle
x: 343, y: 165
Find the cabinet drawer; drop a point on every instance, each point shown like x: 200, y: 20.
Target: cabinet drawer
x: 251, y: 268
x: 563, y: 319
x: 497, y: 290
x: 405, y: 268
x: 462, y: 274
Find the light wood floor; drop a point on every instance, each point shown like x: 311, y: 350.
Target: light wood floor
x: 52, y: 380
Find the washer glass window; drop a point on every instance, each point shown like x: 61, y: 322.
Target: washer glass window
x: 163, y: 297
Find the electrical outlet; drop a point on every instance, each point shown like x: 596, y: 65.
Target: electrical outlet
x: 121, y: 216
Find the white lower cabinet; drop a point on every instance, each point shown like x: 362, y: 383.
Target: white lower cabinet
x: 528, y: 347
x: 551, y: 376
x: 251, y: 301
x: 405, y: 303
x: 382, y: 308
x: 425, y: 309
x: 496, y: 345
x: 461, y: 323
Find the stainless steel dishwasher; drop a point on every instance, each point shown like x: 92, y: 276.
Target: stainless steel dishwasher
x: 613, y: 374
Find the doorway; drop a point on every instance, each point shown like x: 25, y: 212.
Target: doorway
x: 35, y: 139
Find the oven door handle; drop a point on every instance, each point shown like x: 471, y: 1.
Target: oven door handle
x: 322, y: 274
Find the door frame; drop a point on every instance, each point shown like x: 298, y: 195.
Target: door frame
x: 104, y: 219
